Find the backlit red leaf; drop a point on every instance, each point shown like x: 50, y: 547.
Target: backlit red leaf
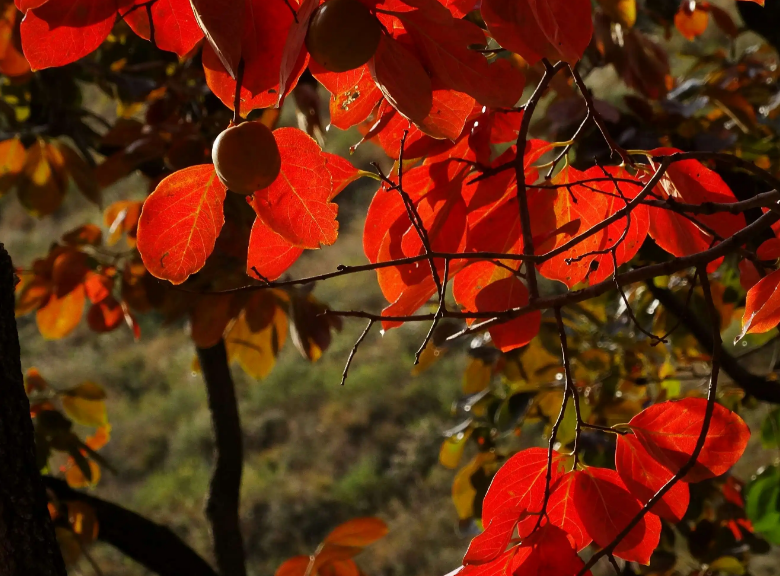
x: 342, y: 173
x: 59, y: 32
x: 270, y: 255
x: 266, y: 25
x: 446, y: 48
x: 691, y: 182
x: 501, y: 566
x: 519, y: 483
x: 485, y: 287
x: 354, y: 95
x: 105, y: 316
x: 562, y: 513
x: 606, y: 507
x: 448, y: 113
x: 494, y: 540
x: 175, y: 27
x: 357, y: 533
x: 643, y: 476
x: 294, y: 50
x: 547, y: 552
x: 669, y: 432
x: 762, y: 307
x: 180, y: 223
x: 297, y: 205
x: 555, y: 29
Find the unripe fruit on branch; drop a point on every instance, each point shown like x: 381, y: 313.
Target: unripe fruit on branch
x: 246, y: 157
x: 343, y: 35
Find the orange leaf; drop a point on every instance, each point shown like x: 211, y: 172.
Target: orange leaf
x: 105, y: 316
x: 60, y: 315
x: 358, y: 532
x: 691, y: 22
x: 180, y: 223
x: 354, y: 95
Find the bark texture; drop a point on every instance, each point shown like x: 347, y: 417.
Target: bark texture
x: 28, y: 546
x: 222, y: 503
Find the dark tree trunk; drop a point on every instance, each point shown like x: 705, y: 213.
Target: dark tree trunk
x: 222, y: 503
x: 150, y: 544
x: 28, y: 546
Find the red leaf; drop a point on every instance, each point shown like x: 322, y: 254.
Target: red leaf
x: 644, y: 476
x: 342, y: 173
x: 562, y: 513
x: 294, y: 50
x: 105, y: 316
x: 669, y: 432
x: 390, y: 128
x: 269, y: 253
x: 547, y: 552
x: 297, y: 205
x: 485, y: 287
x: 501, y: 566
x: 448, y: 114
x: 691, y: 182
x: 180, y: 223
x: 762, y: 307
x: 459, y: 8
x: 353, y: 94
x: 519, y: 483
x: 57, y: 33
x: 556, y: 29
x: 175, y: 27
x: 222, y: 24
x: 402, y: 79
x: 494, y: 540
x: 606, y: 508
x: 25, y: 5
x: 445, y: 45
x: 266, y: 25
x: 98, y: 287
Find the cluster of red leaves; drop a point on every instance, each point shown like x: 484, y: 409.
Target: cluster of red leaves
x: 183, y: 217
x: 556, y: 513
x: 464, y: 215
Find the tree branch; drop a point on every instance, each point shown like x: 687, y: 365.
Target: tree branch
x: 28, y: 546
x: 150, y: 544
x: 222, y: 503
x: 756, y: 386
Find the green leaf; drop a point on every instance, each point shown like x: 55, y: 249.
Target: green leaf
x: 728, y: 565
x: 770, y: 430
x: 761, y: 503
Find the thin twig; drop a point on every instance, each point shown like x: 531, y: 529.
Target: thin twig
x: 354, y: 350
x: 237, y: 98
x: 571, y: 389
x: 439, y: 313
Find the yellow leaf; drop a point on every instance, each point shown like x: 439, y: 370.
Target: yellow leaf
x: 452, y: 449
x: 463, y: 493
x: 39, y: 189
x: 256, y: 351
x: 83, y: 521
x: 621, y: 11
x: 729, y: 565
x: 430, y: 355
x: 85, y: 404
x: 12, y: 155
x: 477, y: 376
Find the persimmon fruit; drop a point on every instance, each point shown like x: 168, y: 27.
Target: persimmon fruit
x: 343, y: 35
x: 246, y: 157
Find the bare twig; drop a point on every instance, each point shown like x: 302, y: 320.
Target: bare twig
x: 237, y: 119
x: 354, y: 350
x: 439, y: 313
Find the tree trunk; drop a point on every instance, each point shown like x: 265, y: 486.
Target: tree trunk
x: 28, y: 546
x: 222, y: 503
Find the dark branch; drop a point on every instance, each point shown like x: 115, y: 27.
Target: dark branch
x: 756, y: 386
x: 150, y: 544
x: 222, y: 504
